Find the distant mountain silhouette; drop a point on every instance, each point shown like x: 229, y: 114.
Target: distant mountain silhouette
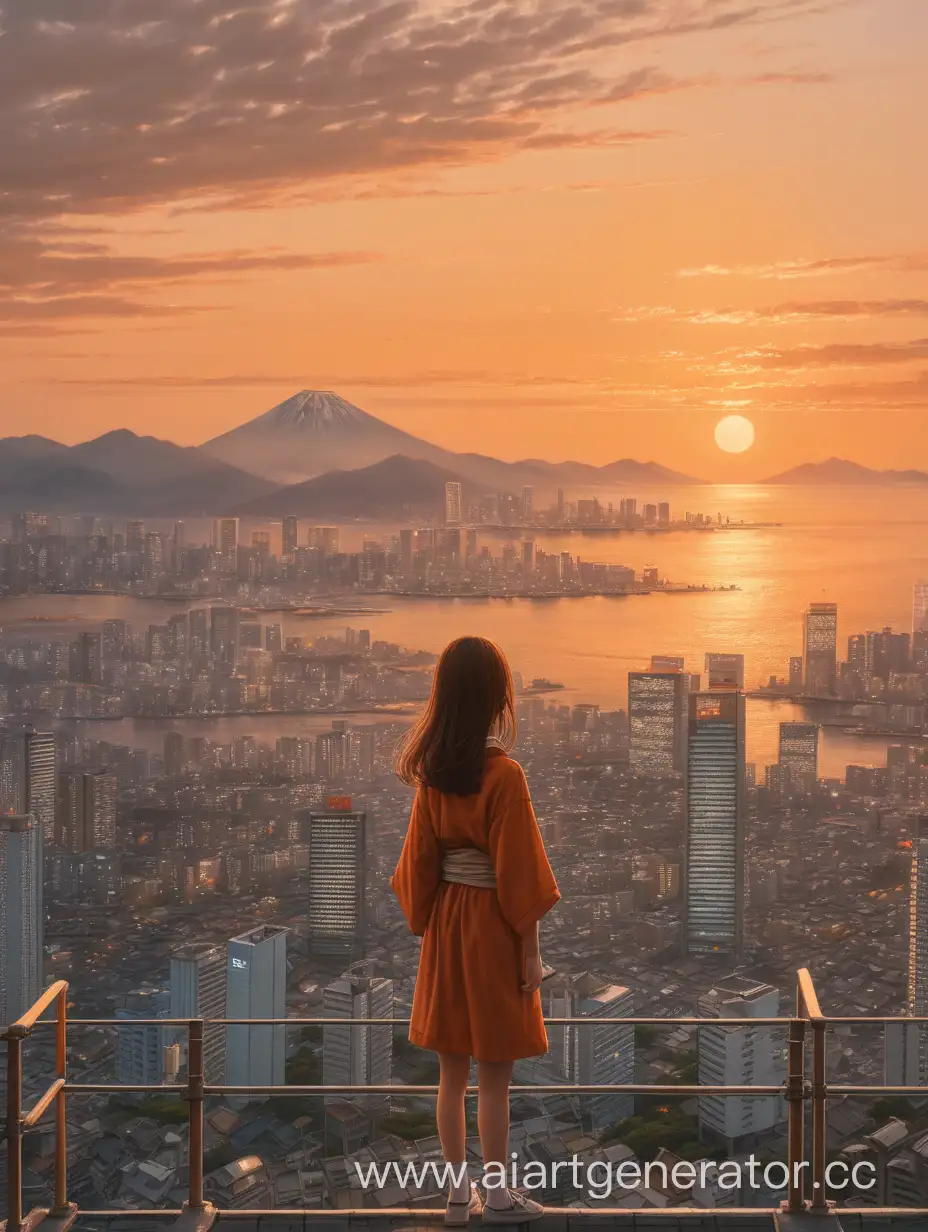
x: 120, y: 472
x: 837, y: 471
x: 397, y: 487
x: 315, y: 432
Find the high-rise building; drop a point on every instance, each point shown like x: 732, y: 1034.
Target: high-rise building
x: 325, y: 538
x: 657, y: 722
x: 725, y: 671
x: 27, y: 776
x: 795, y: 674
x: 85, y: 810
x: 358, y: 1056
x: 257, y: 988
x: 715, y: 819
x: 920, y: 608
x: 906, y: 1044
x: 135, y: 536
x: 663, y: 512
x: 224, y: 634
x: 200, y: 632
x: 799, y: 754
x: 178, y: 544
x: 289, y: 536
x: 140, y: 1050
x: 337, y: 883
x: 115, y: 639
x: 595, y: 1055
x: 820, y: 649
x: 453, y: 503
x: 87, y: 658
x: 667, y: 663
x: 225, y: 543
x: 198, y: 990
x: 528, y: 500
x: 739, y: 1056
x: 21, y: 923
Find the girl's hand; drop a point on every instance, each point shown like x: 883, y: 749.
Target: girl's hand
x: 533, y: 973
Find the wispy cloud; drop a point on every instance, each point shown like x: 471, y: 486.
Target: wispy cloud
x: 789, y: 313
x: 807, y: 267
x: 850, y: 354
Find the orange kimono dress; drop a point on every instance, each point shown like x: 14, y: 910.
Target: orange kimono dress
x: 469, y: 996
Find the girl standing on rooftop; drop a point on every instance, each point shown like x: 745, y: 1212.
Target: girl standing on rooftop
x: 473, y: 881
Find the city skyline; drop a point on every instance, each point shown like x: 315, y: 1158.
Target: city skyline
x: 609, y: 231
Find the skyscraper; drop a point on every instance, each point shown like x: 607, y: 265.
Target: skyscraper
x: 907, y: 1043
x: 528, y: 500
x: 799, y: 754
x: 358, y: 1056
x: 920, y: 608
x: 87, y: 658
x: 27, y: 776
x: 198, y: 990
x: 257, y: 988
x: 337, y: 877
x: 224, y: 634
x: 21, y: 924
x: 85, y: 810
x: 590, y: 1055
x: 135, y: 536
x: 289, y: 536
x: 667, y: 663
x: 657, y: 722
x: 725, y: 671
x: 140, y: 1050
x: 820, y: 649
x: 715, y: 817
x: 225, y: 543
x: 739, y: 1056
x: 453, y: 503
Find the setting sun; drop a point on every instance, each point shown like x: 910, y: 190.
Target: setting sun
x: 734, y: 434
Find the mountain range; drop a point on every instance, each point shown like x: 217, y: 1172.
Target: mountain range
x: 836, y: 472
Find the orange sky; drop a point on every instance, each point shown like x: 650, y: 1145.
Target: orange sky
x: 560, y: 228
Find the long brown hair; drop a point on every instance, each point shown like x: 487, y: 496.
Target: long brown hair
x: 471, y: 691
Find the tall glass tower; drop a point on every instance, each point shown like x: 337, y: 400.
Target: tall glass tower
x: 713, y: 922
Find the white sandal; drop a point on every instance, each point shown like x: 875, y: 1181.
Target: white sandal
x: 520, y: 1210
x: 458, y: 1213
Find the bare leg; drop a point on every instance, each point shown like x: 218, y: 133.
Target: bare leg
x: 493, y: 1079
x: 452, y: 1126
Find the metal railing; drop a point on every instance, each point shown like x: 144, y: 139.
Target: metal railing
x: 797, y: 1090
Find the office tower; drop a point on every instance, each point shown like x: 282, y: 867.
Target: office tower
x: 178, y: 635
x: 289, y: 536
x: 115, y: 638
x: 225, y: 543
x: 358, y: 1056
x: 725, y: 671
x: 135, y: 536
x: 140, y: 1050
x: 199, y: 632
x: 560, y: 504
x: 799, y: 754
x: 21, y: 923
x: 657, y: 722
x: 175, y: 758
x: 795, y: 674
x: 257, y: 988
x: 178, y: 544
x: 663, y: 513
x: 224, y: 634
x: 920, y: 607
x: 337, y: 883
x: 528, y: 500
x: 595, y: 1055
x: 906, y: 1044
x: 528, y: 555
x: 85, y: 810
x: 86, y: 656
x: 667, y: 663
x: 739, y: 1056
x: 452, y: 503
x: 27, y: 776
x: 820, y: 649
x: 325, y: 538
x: 715, y: 817
x: 198, y: 990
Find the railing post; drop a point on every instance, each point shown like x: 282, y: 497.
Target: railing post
x: 795, y: 1098
x: 61, y: 1107
x: 14, y: 1128
x: 195, y: 1099
x: 819, y: 1116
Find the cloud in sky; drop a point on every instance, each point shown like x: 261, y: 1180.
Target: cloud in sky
x: 804, y: 267
x: 845, y: 354
x: 107, y: 107
x: 779, y: 314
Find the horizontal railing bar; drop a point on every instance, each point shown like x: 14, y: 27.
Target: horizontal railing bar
x: 808, y: 996
x: 404, y: 1022
x: 38, y: 1110
x: 87, y: 1088
x: 876, y: 1091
